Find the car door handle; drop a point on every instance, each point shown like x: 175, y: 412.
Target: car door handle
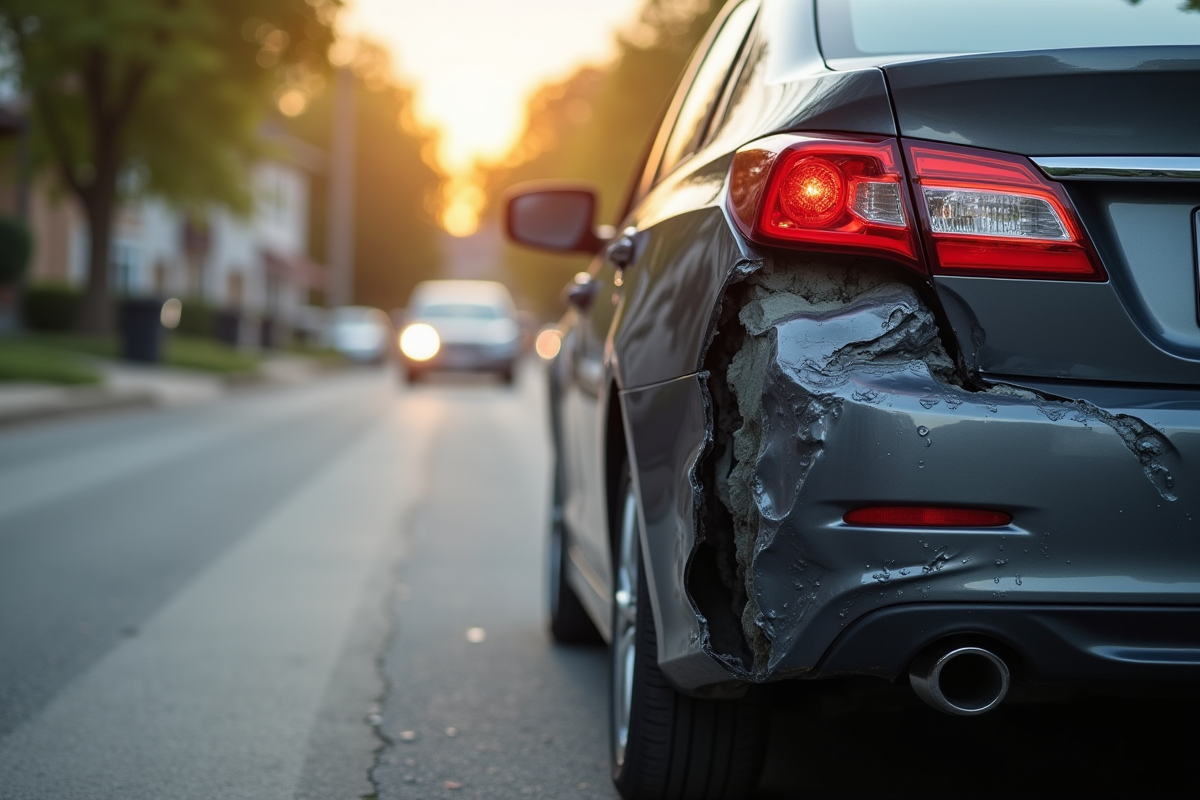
x: 621, y: 252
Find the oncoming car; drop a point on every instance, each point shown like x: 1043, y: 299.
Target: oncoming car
x: 891, y: 373
x: 465, y: 325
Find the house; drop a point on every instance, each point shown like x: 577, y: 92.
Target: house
x: 255, y: 269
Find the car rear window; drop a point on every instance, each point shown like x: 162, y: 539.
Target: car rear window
x: 862, y: 28
x: 459, y: 311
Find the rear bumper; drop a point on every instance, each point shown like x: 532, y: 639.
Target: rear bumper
x: 1048, y: 643
x: 1092, y: 522
x: 1105, y: 505
x: 467, y: 357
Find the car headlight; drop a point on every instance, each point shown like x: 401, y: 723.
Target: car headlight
x: 420, y: 342
x: 548, y: 343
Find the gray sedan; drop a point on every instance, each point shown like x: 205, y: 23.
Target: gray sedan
x: 890, y: 380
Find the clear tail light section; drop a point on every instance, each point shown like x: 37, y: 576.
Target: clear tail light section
x: 826, y: 193
x: 979, y: 212
x: 995, y: 215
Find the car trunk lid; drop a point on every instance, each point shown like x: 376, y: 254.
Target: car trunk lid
x: 1119, y: 128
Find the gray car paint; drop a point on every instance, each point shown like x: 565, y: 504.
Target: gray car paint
x: 1086, y: 101
x: 1071, y: 472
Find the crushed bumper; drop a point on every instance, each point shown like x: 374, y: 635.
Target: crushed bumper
x: 1067, y: 643
x: 855, y: 403
x: 1103, y: 500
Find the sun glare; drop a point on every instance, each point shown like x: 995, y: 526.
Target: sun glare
x: 463, y: 202
x: 474, y: 64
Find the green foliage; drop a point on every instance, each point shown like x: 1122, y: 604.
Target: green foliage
x: 184, y: 352
x: 97, y: 346
x: 395, y: 235
x: 50, y: 307
x: 31, y: 360
x: 189, y: 352
x: 594, y: 127
x: 181, y: 86
x: 161, y: 97
x: 197, y: 319
x: 16, y: 248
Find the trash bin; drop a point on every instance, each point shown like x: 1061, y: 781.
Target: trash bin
x: 141, y: 329
x: 228, y: 327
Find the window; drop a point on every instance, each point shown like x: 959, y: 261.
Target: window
x: 691, y: 122
x: 857, y: 28
x: 459, y: 311
x: 123, y: 266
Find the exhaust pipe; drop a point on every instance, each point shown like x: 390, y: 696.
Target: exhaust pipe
x: 964, y: 681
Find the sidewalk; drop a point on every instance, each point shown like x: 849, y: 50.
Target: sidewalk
x: 128, y: 385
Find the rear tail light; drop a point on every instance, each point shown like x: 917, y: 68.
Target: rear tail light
x: 925, y: 517
x: 826, y: 193
x: 984, y: 213
x: 993, y: 214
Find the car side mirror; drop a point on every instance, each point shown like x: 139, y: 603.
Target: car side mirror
x: 555, y: 217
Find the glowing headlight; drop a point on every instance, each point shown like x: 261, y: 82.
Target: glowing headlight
x: 420, y: 342
x: 548, y: 343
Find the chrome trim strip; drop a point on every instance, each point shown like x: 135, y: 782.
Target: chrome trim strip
x: 1196, y: 250
x: 1171, y: 168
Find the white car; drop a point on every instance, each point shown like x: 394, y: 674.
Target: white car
x: 460, y: 325
x: 360, y: 333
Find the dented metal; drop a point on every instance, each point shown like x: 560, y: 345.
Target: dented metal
x: 848, y: 397
x: 766, y: 391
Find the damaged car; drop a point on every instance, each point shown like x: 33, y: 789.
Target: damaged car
x: 889, y: 380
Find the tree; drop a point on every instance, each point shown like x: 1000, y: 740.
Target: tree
x: 395, y: 186
x: 158, y: 97
x: 594, y: 126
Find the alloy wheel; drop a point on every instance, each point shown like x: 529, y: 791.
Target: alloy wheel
x: 625, y: 631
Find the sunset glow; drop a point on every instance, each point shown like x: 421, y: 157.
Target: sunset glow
x: 474, y: 63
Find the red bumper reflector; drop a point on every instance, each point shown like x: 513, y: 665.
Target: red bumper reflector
x: 925, y: 517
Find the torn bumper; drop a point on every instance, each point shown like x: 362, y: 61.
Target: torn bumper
x: 1092, y: 524
x: 1093, y: 577
x: 1104, y: 501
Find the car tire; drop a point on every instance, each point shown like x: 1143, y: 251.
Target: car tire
x: 508, y: 375
x: 412, y: 376
x: 666, y: 745
x: 569, y: 621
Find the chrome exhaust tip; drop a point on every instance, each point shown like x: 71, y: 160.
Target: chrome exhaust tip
x: 964, y: 681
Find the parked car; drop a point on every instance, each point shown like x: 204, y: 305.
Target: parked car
x: 891, y: 378
x: 360, y: 333
x: 463, y: 325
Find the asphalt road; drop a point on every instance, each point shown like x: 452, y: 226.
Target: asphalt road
x: 335, y: 591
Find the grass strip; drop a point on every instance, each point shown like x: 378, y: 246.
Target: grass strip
x: 35, y: 361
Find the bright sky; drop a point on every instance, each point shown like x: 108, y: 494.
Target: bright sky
x: 474, y: 62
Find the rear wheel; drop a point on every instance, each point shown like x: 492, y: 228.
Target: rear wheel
x: 569, y: 622
x: 666, y: 745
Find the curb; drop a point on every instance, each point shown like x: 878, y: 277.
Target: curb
x: 77, y: 403
x: 87, y: 400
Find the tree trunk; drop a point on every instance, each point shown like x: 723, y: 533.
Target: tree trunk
x: 96, y: 311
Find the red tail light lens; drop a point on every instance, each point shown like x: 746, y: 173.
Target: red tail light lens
x: 993, y: 214
x: 826, y: 192
x: 925, y: 517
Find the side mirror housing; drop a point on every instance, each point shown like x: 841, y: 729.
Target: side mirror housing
x: 556, y: 217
